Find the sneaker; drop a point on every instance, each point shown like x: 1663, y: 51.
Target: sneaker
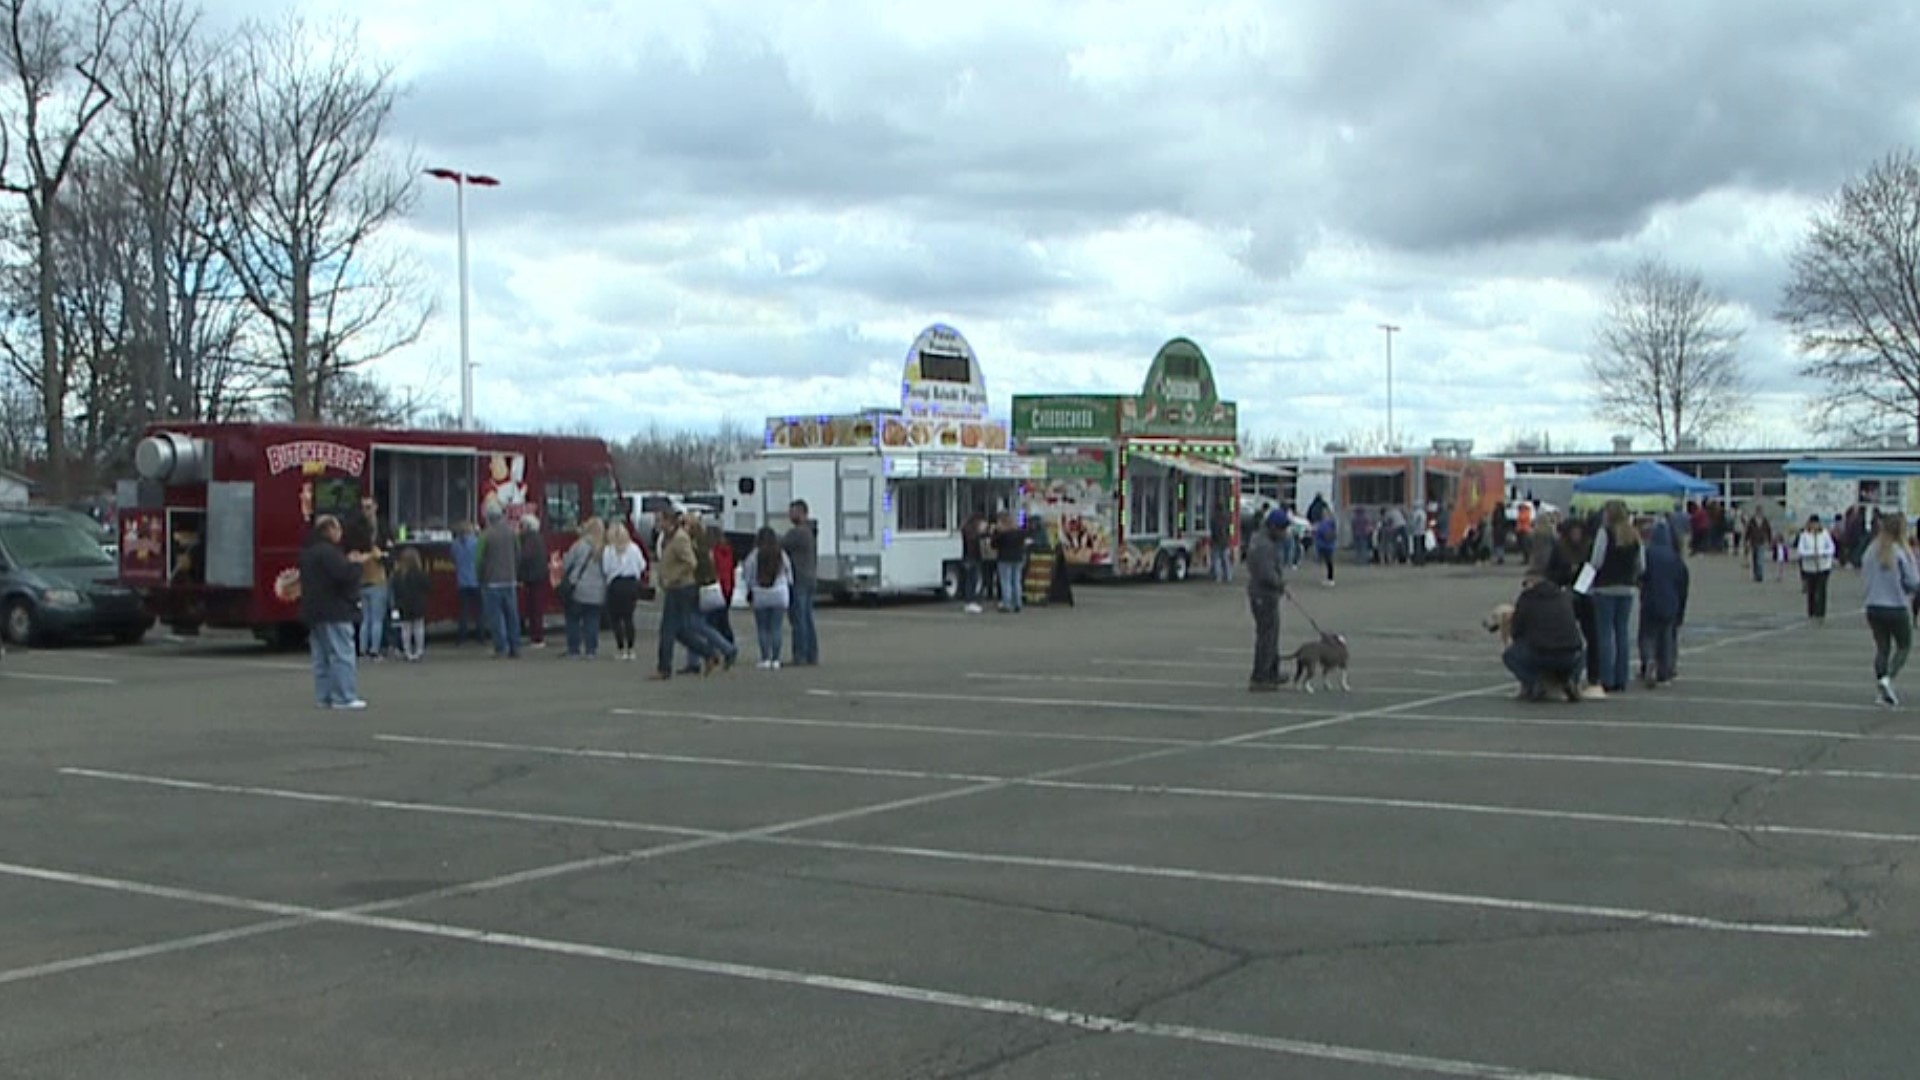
x: 973, y: 609
x: 765, y: 665
x: 1886, y: 690
x: 1592, y: 693
x: 351, y: 706
x: 774, y: 664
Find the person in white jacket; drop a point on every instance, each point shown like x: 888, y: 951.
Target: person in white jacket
x: 625, y: 566
x: 768, y: 576
x: 1815, y: 552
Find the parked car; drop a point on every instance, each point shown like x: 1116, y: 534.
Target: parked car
x: 56, y: 582
x: 710, y: 504
x: 103, y: 532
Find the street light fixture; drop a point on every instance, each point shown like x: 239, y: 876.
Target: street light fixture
x: 1390, y: 331
x: 460, y: 180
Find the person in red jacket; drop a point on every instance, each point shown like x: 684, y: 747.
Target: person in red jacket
x: 723, y: 567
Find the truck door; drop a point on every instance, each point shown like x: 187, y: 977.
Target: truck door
x: 817, y: 482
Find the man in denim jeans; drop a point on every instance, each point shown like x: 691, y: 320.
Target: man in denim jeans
x: 803, y: 552
x: 329, y: 595
x: 500, y: 584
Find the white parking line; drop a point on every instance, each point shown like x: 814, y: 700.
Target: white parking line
x: 916, y: 729
x: 1690, y: 676
x: 1081, y: 1021
x: 1267, y: 881
x: 40, y: 676
x: 1077, y: 703
x: 1664, y: 725
x: 1592, y: 817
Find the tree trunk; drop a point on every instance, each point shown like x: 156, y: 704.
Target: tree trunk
x: 53, y: 368
x: 302, y: 382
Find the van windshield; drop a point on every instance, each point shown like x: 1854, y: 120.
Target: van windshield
x: 49, y: 544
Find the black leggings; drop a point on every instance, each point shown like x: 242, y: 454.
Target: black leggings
x: 622, y: 594
x: 1328, y: 557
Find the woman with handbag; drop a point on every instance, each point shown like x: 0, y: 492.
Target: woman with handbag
x: 584, y: 575
x: 769, y: 581
x: 625, y: 566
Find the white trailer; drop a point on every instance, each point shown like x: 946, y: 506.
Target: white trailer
x: 884, y: 523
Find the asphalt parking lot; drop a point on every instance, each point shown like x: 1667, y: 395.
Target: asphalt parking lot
x: 1063, y: 844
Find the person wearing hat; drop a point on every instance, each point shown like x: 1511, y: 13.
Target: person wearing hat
x: 1266, y: 584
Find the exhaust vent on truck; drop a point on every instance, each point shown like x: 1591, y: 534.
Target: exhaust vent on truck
x: 167, y: 457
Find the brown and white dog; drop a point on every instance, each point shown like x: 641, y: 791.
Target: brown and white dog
x: 1500, y: 621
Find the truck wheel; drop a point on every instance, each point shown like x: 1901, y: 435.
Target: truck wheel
x: 950, y: 583
x: 18, y: 625
x: 287, y: 636
x: 1162, y: 567
x: 1182, y: 563
x: 130, y: 636
x: 842, y: 596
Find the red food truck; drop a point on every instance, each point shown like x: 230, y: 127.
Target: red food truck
x: 211, y: 531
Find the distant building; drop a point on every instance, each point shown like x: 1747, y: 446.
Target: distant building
x: 1743, y: 476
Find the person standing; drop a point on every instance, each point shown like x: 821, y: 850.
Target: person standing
x: 585, y: 568
x: 1010, y: 560
x: 802, y: 551
x: 412, y: 593
x: 329, y: 602
x: 466, y: 581
x: 1266, y: 584
x: 1815, y: 551
x: 534, y: 579
x: 1892, y: 580
x: 369, y: 539
x: 1663, y: 607
x: 1759, y: 537
x: 1220, y: 544
x: 973, y: 540
x: 679, y: 600
x: 1618, y: 562
x: 499, y: 584
x: 768, y: 575
x: 625, y: 566
x: 1497, y: 534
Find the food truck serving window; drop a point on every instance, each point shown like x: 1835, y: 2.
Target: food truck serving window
x: 425, y: 491
x: 923, y: 505
x: 1379, y: 489
x: 563, y: 504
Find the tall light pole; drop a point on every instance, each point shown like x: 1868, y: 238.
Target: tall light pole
x: 1391, y: 330
x: 460, y: 180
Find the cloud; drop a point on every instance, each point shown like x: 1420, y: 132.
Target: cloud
x: 732, y: 209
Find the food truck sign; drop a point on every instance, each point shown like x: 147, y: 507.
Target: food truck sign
x: 942, y: 375
x: 315, y: 456
x: 1049, y: 417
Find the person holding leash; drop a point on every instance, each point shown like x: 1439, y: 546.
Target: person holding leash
x: 1266, y: 584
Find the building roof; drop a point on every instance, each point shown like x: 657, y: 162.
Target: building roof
x: 21, y: 478
x: 1853, y: 468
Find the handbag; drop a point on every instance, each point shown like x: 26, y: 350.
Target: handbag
x: 711, y: 598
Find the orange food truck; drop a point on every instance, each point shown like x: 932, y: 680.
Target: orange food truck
x: 211, y: 532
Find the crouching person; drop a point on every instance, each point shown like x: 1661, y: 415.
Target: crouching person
x: 1547, y: 645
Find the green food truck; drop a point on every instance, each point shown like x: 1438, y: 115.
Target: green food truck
x: 1134, y: 483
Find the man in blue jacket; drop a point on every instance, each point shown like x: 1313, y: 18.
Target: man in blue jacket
x: 1663, y: 606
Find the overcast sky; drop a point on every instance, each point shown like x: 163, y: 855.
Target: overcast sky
x: 733, y: 208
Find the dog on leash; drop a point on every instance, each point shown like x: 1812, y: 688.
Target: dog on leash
x: 1321, y: 658
x: 1500, y: 621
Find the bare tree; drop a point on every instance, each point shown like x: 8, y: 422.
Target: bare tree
x: 306, y: 184
x: 52, y: 58
x: 660, y: 460
x: 20, y: 425
x: 1666, y: 357
x: 1854, y: 302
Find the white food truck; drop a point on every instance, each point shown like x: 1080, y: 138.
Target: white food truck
x: 887, y: 491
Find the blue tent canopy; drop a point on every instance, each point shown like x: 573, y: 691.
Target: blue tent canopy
x: 1646, y: 477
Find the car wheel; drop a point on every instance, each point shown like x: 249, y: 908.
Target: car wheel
x: 18, y: 624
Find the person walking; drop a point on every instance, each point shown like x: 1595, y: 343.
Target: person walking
x: 412, y: 593
x: 1326, y: 542
x: 803, y: 553
x: 466, y: 582
x: 1618, y: 562
x: 1663, y: 607
x: 534, y: 579
x: 679, y: 600
x: 1815, y: 552
x: 768, y: 575
x: 584, y: 567
x: 1010, y: 562
x: 329, y: 604
x: 625, y: 566
x: 1892, y: 579
x: 499, y: 587
x: 1266, y: 584
x: 1759, y: 537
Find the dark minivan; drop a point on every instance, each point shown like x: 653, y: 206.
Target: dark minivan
x: 57, y: 582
